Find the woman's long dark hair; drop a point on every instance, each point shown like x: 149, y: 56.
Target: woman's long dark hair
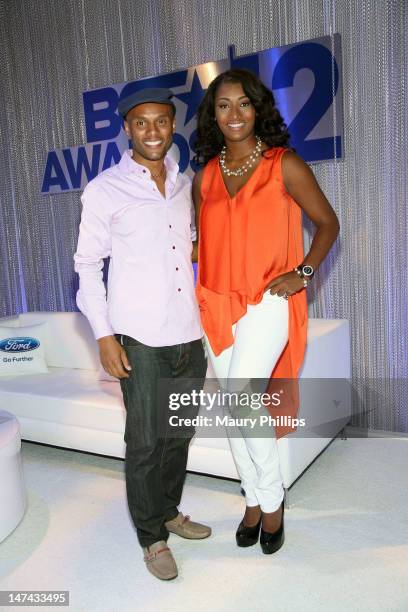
x: 269, y: 125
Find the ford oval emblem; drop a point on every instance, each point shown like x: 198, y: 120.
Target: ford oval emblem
x: 19, y: 345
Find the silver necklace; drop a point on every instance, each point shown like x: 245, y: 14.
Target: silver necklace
x: 246, y: 166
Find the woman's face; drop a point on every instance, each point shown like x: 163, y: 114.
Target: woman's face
x: 234, y: 112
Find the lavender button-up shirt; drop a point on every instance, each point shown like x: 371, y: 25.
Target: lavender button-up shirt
x: 148, y: 238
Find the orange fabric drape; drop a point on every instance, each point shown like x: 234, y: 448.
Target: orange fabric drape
x: 245, y: 242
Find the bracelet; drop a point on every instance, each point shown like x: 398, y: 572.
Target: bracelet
x: 304, y: 271
x: 299, y: 272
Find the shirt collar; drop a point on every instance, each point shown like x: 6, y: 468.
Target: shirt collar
x: 128, y: 165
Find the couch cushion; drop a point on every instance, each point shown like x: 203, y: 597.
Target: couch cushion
x: 65, y: 396
x: 71, y: 341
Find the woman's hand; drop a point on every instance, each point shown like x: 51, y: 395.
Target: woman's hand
x: 285, y: 284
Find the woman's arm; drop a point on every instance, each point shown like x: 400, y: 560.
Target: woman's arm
x: 301, y: 184
x: 198, y: 177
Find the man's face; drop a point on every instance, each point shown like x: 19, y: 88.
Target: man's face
x: 150, y: 127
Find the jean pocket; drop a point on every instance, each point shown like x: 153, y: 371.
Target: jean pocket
x: 127, y: 341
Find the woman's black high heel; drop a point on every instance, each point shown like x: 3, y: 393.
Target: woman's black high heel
x: 271, y: 542
x: 247, y: 536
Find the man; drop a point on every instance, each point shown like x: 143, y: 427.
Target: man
x: 138, y: 213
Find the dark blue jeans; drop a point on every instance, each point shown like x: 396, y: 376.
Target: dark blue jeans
x: 156, y: 458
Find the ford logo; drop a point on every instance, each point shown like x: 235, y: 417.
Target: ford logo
x: 18, y: 345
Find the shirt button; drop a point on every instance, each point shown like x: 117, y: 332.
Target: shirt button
x: 170, y: 226
x: 173, y: 246
x: 177, y: 269
x: 179, y: 289
x: 144, y: 171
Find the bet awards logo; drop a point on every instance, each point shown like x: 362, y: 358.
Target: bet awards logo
x: 305, y: 79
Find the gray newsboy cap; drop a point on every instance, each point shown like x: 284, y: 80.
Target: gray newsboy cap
x: 160, y: 95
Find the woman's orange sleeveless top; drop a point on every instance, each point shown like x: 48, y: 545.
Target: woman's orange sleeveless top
x: 245, y: 242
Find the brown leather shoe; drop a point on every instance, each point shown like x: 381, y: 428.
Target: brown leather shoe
x: 159, y: 561
x: 186, y: 528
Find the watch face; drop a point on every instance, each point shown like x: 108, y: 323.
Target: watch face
x: 307, y: 271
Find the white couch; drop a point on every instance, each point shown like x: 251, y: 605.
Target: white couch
x: 72, y: 408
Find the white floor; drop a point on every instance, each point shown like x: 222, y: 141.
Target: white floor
x: 346, y: 538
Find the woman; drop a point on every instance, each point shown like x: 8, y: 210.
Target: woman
x: 252, y: 272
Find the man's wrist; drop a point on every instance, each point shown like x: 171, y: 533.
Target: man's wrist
x: 105, y: 339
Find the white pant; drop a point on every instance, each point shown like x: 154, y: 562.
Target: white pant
x: 259, y: 338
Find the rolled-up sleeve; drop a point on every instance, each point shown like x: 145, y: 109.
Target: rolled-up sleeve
x: 94, y: 244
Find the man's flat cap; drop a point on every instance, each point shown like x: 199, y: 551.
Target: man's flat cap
x: 149, y: 94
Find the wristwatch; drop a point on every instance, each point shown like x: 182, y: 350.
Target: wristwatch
x: 305, y: 271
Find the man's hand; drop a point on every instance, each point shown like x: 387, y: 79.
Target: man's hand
x: 113, y: 357
x: 194, y: 254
